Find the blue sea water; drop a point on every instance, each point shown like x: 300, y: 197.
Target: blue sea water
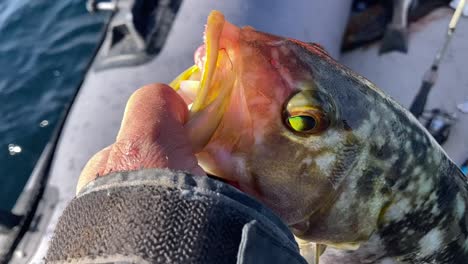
x: 45, y: 47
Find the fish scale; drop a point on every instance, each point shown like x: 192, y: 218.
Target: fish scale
x: 364, y: 178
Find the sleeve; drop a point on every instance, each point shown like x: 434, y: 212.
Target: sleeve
x: 162, y: 216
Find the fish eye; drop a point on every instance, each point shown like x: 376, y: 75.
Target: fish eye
x: 302, y: 123
x: 307, y: 121
x: 308, y: 112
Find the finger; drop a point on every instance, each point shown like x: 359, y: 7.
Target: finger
x: 147, y: 108
x: 94, y: 168
x: 152, y: 133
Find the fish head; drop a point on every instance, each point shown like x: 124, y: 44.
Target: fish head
x: 267, y: 116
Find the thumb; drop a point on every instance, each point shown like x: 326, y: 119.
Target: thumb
x: 152, y: 133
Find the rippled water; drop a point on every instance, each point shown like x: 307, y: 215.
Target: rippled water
x: 45, y: 47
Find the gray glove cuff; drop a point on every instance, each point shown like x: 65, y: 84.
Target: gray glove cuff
x: 161, y: 216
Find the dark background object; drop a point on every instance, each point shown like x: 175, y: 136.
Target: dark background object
x: 369, y: 19
x: 419, y: 103
x: 138, y: 31
x: 438, y: 122
x: 396, y: 33
x: 8, y: 220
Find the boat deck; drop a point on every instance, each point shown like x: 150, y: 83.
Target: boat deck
x: 400, y: 75
x: 95, y: 117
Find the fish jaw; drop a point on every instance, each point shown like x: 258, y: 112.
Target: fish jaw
x: 252, y: 146
x: 237, y: 118
x: 354, y: 184
x: 244, y: 139
x: 206, y: 86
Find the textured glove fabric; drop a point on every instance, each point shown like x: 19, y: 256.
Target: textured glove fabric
x: 162, y: 216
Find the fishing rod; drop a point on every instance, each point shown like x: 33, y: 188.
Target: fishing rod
x: 430, y: 77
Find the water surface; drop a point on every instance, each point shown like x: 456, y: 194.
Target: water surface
x: 45, y: 47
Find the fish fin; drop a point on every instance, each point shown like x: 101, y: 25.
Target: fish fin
x: 313, y: 47
x: 318, y: 46
x: 319, y: 249
x: 310, y: 251
x: 345, y: 246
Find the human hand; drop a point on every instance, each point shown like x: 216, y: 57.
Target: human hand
x: 151, y: 136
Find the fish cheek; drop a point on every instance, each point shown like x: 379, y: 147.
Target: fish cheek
x: 282, y: 176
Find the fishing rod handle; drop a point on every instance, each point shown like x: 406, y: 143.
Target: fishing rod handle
x: 419, y: 103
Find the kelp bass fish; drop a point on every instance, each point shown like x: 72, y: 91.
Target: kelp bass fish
x: 336, y: 158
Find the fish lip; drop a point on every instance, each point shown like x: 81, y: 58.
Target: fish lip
x: 212, y: 39
x: 205, y: 59
x: 214, y: 69
x: 215, y: 84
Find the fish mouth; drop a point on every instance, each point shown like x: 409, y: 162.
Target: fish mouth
x: 206, y: 86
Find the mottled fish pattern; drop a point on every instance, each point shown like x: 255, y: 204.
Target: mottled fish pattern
x: 354, y: 170
x: 398, y: 166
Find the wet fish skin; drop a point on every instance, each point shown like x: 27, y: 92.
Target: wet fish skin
x: 373, y: 178
x: 395, y: 165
